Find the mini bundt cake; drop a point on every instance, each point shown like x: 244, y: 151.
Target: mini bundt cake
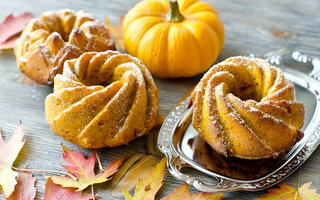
x: 244, y: 107
x: 102, y: 99
x: 56, y: 36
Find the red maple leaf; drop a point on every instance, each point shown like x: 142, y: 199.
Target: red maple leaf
x: 54, y: 192
x: 25, y: 189
x: 83, y: 169
x: 11, y: 28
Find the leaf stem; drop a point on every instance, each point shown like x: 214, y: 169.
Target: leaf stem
x: 296, y: 195
x: 99, y: 162
x: 299, y: 179
x: 92, y: 192
x: 47, y: 171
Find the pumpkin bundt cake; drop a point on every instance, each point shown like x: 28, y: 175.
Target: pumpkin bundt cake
x: 57, y: 36
x: 102, y: 99
x: 244, y: 107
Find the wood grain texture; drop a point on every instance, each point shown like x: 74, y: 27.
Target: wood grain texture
x: 250, y: 27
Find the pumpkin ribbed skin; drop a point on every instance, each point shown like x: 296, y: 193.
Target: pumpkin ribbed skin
x: 102, y: 100
x: 174, y: 49
x: 56, y: 36
x: 244, y: 107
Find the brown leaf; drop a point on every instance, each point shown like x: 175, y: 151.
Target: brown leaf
x: 288, y: 192
x: 11, y: 28
x: 280, y: 33
x: 25, y: 189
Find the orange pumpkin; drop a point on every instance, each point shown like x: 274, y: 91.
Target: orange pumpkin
x: 174, y: 38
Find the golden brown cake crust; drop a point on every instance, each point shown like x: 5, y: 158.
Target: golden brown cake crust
x: 244, y: 107
x: 56, y: 36
x: 102, y: 100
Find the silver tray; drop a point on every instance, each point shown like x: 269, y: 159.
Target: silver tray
x: 186, y: 152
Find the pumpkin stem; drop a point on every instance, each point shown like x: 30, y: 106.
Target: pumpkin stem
x: 174, y: 14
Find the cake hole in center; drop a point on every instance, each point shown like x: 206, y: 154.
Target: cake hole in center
x: 246, y: 93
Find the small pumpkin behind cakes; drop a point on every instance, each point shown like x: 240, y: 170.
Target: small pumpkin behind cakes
x: 174, y: 38
x: 102, y: 99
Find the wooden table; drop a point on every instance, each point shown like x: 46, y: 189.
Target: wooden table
x: 250, y: 27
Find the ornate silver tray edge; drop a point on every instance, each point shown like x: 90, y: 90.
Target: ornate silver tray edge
x: 175, y: 162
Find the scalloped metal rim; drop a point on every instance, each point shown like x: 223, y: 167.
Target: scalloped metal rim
x: 298, y: 155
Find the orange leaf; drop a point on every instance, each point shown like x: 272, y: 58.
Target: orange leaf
x: 206, y: 196
x: 287, y: 192
x: 8, y: 153
x: 147, y: 189
x: 11, y: 28
x: 25, y: 189
x: 54, y: 192
x: 117, y: 31
x: 83, y: 169
x: 179, y: 193
x: 182, y: 193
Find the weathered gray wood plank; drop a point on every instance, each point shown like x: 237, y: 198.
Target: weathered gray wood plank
x: 250, y: 27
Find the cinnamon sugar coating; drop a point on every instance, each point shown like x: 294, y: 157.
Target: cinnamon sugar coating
x: 56, y: 36
x: 244, y: 107
x: 102, y: 99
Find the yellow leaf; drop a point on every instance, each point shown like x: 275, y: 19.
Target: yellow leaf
x: 7, y: 180
x: 287, y: 192
x: 136, y: 165
x: 147, y: 189
x: 116, y: 31
x: 127, y: 196
x: 8, y: 153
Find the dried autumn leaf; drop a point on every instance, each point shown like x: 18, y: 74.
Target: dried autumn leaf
x: 24, y: 189
x: 83, y: 169
x: 54, y: 192
x: 11, y: 28
x: 136, y: 165
x: 182, y: 193
x: 179, y: 193
x: 8, y: 153
x: 9, y: 44
x: 206, y: 196
x: 13, y: 25
x: 117, y: 31
x: 288, y: 192
x: 147, y: 189
x: 306, y: 193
